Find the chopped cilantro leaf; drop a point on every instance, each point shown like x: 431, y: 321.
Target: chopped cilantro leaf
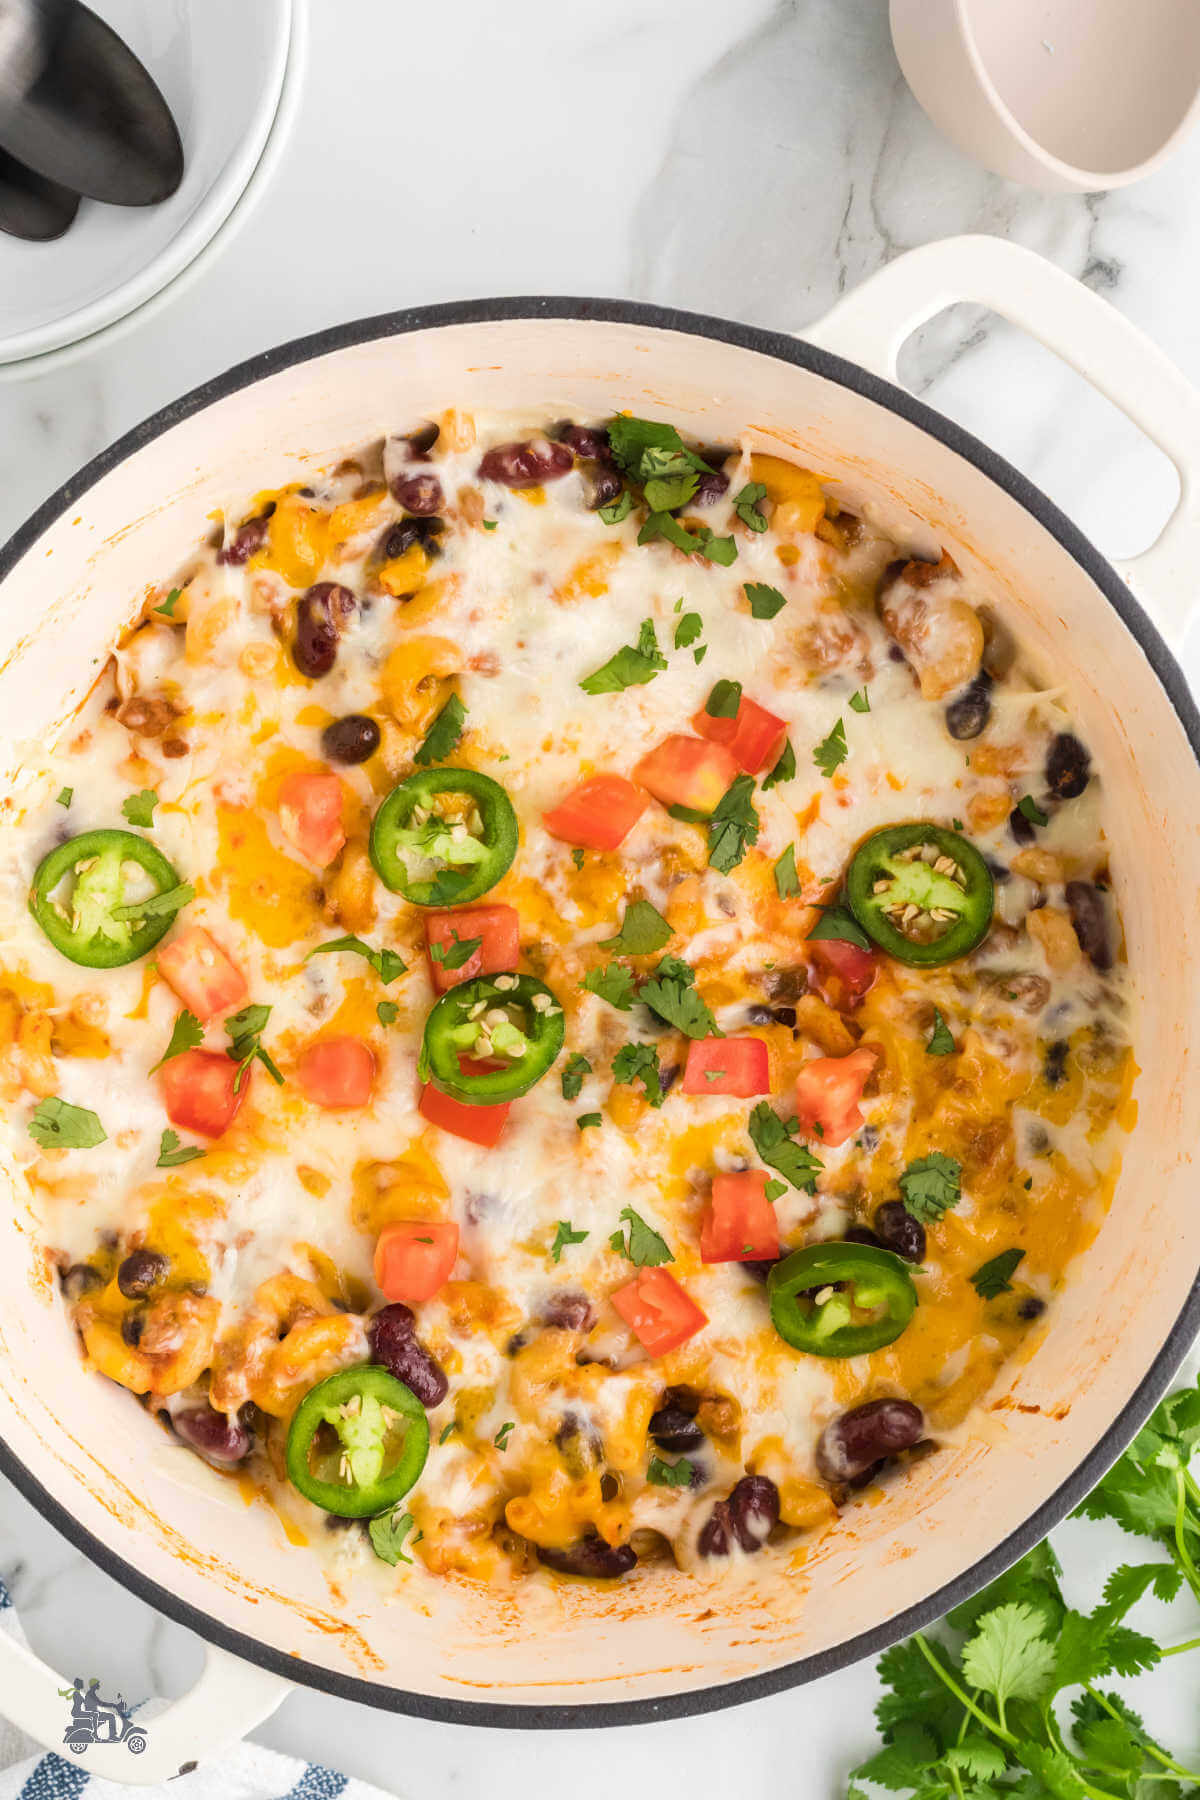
x: 931, y: 1185
x: 574, y: 1070
x: 765, y: 601
x: 167, y: 606
x: 831, y: 752
x: 643, y: 930
x: 734, y: 825
x: 171, y: 1155
x: 442, y: 737
x: 57, y: 1125
x: 639, y: 1062
x: 746, y: 506
x: 840, y: 923
x: 617, y: 509
x: 387, y: 1012
x: 671, y: 1475
x: 995, y: 1277
x: 941, y: 1041
x: 577, y: 857
x: 386, y: 964
x: 724, y: 700
x: 564, y: 1236
x: 671, y: 995
x: 613, y: 983
x: 139, y: 808
x: 784, y: 769
x: 787, y: 882
x: 245, y: 1029
x: 505, y: 1432
x: 455, y: 955
x: 186, y: 1034
x: 388, y: 1532
x: 688, y: 630
x: 860, y: 702
x: 588, y: 1121
x: 774, y: 1140
x: 631, y: 666
x: 643, y: 1246
x: 64, y: 796
x: 1028, y: 807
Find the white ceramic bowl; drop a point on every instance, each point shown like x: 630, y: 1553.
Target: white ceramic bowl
x: 222, y: 66
x: 1072, y: 95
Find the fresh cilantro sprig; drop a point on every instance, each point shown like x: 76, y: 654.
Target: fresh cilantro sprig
x: 631, y: 666
x: 832, y: 751
x: 678, y: 1474
x: 747, y: 506
x: 187, y: 1033
x: 563, y: 1236
x: 245, y: 1030
x: 172, y: 1154
x: 639, y: 1062
x: 56, y: 1124
x: 643, y: 931
x: 139, y: 808
x: 977, y: 1710
x: 456, y: 954
x: 994, y: 1277
x: 931, y: 1186
x: 574, y: 1070
x: 785, y: 768
x: 386, y: 964
x: 733, y: 826
x: 641, y: 1244
x: 671, y: 995
x: 441, y: 739
x: 775, y: 1140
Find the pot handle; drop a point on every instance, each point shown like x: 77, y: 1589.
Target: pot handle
x: 871, y: 324
x: 228, y: 1700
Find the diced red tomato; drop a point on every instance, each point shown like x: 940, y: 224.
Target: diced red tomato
x: 687, y: 771
x: 598, y: 814
x: 310, y: 815
x: 498, y: 928
x: 661, y: 1314
x: 197, y: 1091
x: 739, y: 1224
x: 755, y: 736
x: 478, y: 1124
x: 729, y: 1065
x: 413, y: 1259
x: 828, y: 1090
x: 844, y: 972
x: 201, y: 973
x: 336, y: 1072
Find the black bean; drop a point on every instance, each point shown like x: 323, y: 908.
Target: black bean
x: 760, y: 1270
x: 420, y: 494
x: 1020, y: 829
x: 214, y: 1434
x: 997, y: 870
x: 602, y: 485
x: 394, y: 1345
x: 899, y: 1232
x: 588, y: 441
x: 133, y: 1325
x: 858, y: 1234
x: 567, y: 1311
x: 711, y: 484
x: 319, y: 620
x: 527, y: 464
x: 421, y: 441
x: 1068, y: 767
x: 351, y: 739
x: 592, y: 1557
x: 1054, y: 1068
x: 141, y: 1271
x: 675, y: 1430
x: 250, y: 536
x: 969, y: 712
x: 1089, y: 916
x: 867, y: 1434
x: 406, y: 532
x: 80, y: 1279
x: 772, y: 1015
x: 1031, y: 1307
x: 579, y: 1444
x: 746, y: 1518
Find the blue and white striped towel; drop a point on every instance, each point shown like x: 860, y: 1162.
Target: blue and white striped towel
x: 27, y: 1772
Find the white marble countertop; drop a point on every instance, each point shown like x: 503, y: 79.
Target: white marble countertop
x: 752, y: 161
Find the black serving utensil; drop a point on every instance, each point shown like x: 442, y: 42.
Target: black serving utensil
x: 90, y: 117
x: 30, y: 206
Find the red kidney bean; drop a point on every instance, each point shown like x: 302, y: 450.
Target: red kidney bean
x: 351, y: 739
x: 399, y: 453
x: 592, y: 1557
x: 588, y: 441
x: 250, y: 536
x: 215, y: 1435
x: 80, y: 1279
x: 899, y: 1232
x: 1068, y: 767
x: 1089, y: 916
x: 567, y: 1311
x: 674, y: 1429
x: 141, y: 1271
x: 969, y: 712
x: 601, y: 486
x: 394, y: 1345
x: 319, y: 620
x: 851, y: 1446
x: 527, y: 464
x: 420, y: 494
x: 746, y: 1518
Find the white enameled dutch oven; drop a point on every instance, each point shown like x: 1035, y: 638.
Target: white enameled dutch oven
x: 663, y: 1644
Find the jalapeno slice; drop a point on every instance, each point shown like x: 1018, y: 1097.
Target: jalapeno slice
x: 357, y: 1442
x: 840, y: 1299
x: 444, y: 836
x: 922, y: 893
x: 491, y: 1040
x: 85, y: 893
